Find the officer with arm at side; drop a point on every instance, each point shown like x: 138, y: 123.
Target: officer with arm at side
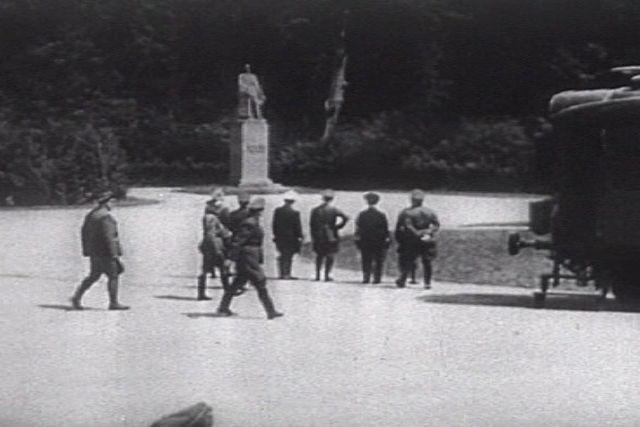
x: 101, y: 244
x: 246, y: 251
x: 372, y: 239
x: 287, y: 234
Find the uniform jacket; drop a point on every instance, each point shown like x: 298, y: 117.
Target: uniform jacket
x: 414, y: 223
x: 100, y: 234
x: 215, y: 236
x: 325, y: 222
x: 287, y: 228
x: 236, y: 217
x: 372, y: 228
x: 247, y: 240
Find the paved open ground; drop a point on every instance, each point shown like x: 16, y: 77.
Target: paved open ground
x: 345, y: 354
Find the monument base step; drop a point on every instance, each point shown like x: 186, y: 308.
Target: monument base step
x: 257, y: 188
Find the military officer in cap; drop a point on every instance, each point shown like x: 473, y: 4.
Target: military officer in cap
x: 246, y: 252
x: 415, y: 233
x: 235, y: 218
x: 214, y: 244
x: 325, y: 223
x: 287, y: 234
x: 101, y: 244
x: 372, y: 238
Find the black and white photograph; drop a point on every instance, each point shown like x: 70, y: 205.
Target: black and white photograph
x: 319, y: 213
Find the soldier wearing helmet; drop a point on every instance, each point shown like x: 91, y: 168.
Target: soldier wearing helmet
x: 246, y: 252
x: 287, y: 234
x: 415, y: 233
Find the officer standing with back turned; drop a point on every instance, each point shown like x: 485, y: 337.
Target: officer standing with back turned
x: 287, y: 234
x: 415, y: 233
x: 372, y: 239
x: 325, y: 223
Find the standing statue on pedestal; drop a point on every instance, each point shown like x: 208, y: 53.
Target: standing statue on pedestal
x: 250, y: 95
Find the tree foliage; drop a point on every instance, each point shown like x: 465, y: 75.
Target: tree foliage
x: 156, y: 78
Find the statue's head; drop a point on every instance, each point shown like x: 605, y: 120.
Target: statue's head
x: 247, y: 68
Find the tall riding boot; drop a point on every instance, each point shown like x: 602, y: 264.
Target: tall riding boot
x: 327, y: 269
x: 404, y: 273
x: 202, y: 287
x: 377, y: 270
x: 114, y: 304
x: 414, y: 271
x: 319, y: 260
x: 427, y: 274
x: 76, y: 299
x: 225, y: 303
x: 282, y: 269
x: 365, y: 263
x: 405, y: 264
x: 288, y: 263
x: 267, y: 303
x: 225, y: 279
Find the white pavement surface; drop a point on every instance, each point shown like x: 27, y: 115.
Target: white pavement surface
x: 345, y: 354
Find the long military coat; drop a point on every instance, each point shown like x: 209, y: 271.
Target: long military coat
x: 287, y: 229
x: 100, y: 234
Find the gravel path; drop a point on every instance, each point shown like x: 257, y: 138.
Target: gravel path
x: 344, y: 354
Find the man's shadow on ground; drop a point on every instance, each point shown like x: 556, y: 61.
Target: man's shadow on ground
x: 552, y: 302
x: 67, y: 307
x: 176, y: 297
x: 214, y: 315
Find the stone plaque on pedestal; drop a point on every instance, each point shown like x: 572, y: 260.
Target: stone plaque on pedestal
x: 250, y: 154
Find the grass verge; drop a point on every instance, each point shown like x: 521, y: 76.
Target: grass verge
x: 464, y: 256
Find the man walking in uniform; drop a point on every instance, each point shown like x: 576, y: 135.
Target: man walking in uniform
x: 101, y: 244
x: 325, y: 222
x: 415, y: 231
x: 372, y: 239
x: 287, y: 234
x: 246, y: 251
x: 237, y: 216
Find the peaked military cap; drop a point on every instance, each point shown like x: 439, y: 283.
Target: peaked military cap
x: 290, y: 195
x: 257, y: 204
x: 104, y: 197
x: 198, y: 415
x: 372, y: 197
x: 417, y: 194
x: 216, y: 195
x: 328, y: 194
x: 244, y: 197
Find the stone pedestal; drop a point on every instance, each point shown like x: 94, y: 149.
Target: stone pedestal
x: 249, y: 168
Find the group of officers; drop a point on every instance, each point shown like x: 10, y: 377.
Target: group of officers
x: 232, y: 244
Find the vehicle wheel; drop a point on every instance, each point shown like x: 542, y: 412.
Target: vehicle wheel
x: 514, y: 243
x: 626, y: 289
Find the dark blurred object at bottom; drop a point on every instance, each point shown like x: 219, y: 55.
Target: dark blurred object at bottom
x: 198, y: 415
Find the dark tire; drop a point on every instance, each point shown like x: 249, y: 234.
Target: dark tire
x: 626, y: 288
x: 514, y: 243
